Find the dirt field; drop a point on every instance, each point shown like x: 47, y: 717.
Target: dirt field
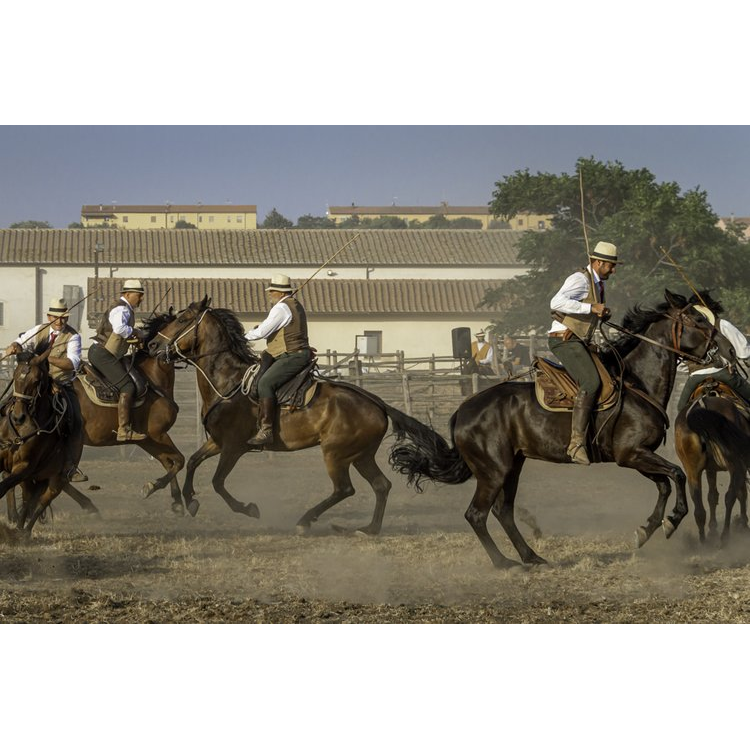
x: 139, y: 563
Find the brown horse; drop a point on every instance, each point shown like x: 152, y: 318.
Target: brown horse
x: 712, y: 434
x: 347, y: 422
x: 154, y: 417
x: 495, y: 431
x: 157, y: 415
x: 32, y: 450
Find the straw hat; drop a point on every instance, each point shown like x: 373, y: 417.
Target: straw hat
x: 604, y: 251
x: 58, y: 308
x: 133, y: 285
x: 279, y: 283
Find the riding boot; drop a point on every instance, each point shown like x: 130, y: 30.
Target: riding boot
x: 267, y: 414
x: 582, y: 408
x: 124, y: 426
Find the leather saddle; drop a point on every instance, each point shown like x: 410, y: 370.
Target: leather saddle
x: 298, y: 392
x: 101, y: 392
x: 555, y: 389
x: 710, y: 387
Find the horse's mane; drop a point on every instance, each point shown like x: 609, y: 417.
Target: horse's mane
x: 153, y: 324
x: 238, y: 344
x: 637, y: 319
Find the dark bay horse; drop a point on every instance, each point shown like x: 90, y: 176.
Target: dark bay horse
x: 156, y: 416
x: 32, y: 449
x: 495, y: 431
x: 712, y: 434
x: 347, y: 422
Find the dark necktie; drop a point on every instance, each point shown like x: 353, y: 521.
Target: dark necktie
x: 601, y: 291
x: 52, y: 338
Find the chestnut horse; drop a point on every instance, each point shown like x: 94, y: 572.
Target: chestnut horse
x: 32, y: 450
x: 347, y: 422
x: 712, y: 434
x: 495, y: 431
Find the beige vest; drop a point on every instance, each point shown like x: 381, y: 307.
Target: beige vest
x: 115, y: 344
x: 293, y: 336
x: 478, y: 352
x: 582, y: 325
x: 59, y: 349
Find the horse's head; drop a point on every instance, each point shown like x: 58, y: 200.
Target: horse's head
x: 179, y: 337
x: 30, y: 381
x: 694, y: 332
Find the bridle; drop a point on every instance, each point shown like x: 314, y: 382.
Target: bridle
x: 680, y: 321
x: 191, y: 356
x: 31, y: 402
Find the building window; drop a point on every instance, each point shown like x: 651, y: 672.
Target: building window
x: 124, y: 219
x: 153, y: 219
x: 520, y: 222
x: 200, y: 219
x: 370, y: 343
x: 239, y: 219
x: 229, y: 219
x: 210, y: 219
x: 182, y: 218
x: 2, y: 313
x: 171, y: 218
x: 540, y: 225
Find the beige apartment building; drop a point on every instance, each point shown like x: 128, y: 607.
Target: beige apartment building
x: 166, y: 216
x: 522, y: 222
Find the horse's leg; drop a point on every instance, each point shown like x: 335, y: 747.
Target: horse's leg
x: 737, y: 490
x: 337, y: 466
x: 713, y: 500
x: 742, y: 499
x: 696, y: 493
x: 10, y: 499
x: 85, y: 503
x: 208, y: 449
x: 381, y: 485
x: 43, y: 495
x: 503, y: 508
x: 165, y: 451
x: 659, y: 471
x: 227, y: 461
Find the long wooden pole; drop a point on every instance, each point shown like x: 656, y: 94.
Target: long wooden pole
x: 679, y: 270
x: 297, y: 291
x: 583, y: 214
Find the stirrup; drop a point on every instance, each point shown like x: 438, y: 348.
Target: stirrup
x: 264, y: 436
x: 578, y: 455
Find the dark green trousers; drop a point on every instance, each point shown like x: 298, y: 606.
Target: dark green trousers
x: 733, y: 379
x: 283, y: 369
x: 576, y: 359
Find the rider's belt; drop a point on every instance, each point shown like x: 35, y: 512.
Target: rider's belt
x: 564, y: 335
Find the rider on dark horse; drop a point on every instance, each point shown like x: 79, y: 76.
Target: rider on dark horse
x: 64, y: 359
x: 287, y: 353
x: 576, y: 309
x: 114, y: 334
x: 729, y: 375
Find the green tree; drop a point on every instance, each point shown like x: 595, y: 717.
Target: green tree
x: 274, y: 220
x: 350, y: 223
x: 464, y: 222
x: 645, y: 219
x: 315, y: 222
x: 31, y: 224
x: 385, y: 222
x: 437, y: 222
x: 182, y: 224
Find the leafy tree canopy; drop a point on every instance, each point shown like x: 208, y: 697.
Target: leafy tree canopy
x: 275, y: 220
x: 182, y: 224
x: 31, y: 224
x: 315, y: 222
x: 650, y: 223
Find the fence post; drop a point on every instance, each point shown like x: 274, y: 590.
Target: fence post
x: 475, y: 382
x: 407, y: 393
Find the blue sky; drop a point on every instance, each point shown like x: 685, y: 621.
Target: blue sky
x: 48, y: 172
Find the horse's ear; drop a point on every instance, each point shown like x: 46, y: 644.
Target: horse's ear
x: 171, y: 311
x: 205, y: 302
x: 675, y: 300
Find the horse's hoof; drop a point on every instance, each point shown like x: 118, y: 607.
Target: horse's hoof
x: 178, y: 508
x: 148, y: 489
x: 641, y: 537
x: 669, y: 527
x: 192, y: 507
x: 251, y: 510
x: 302, y: 530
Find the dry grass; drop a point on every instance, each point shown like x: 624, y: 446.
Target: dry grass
x: 140, y: 564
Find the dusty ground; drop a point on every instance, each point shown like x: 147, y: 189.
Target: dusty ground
x: 138, y: 563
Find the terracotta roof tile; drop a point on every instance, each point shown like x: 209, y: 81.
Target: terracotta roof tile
x: 320, y: 297
x: 282, y: 248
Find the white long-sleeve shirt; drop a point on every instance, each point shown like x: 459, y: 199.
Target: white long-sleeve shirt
x: 569, y: 296
x: 72, y: 352
x: 118, y: 318
x: 736, y: 339
x: 278, y: 316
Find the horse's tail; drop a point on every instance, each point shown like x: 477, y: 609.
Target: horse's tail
x: 729, y: 445
x: 427, y: 455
